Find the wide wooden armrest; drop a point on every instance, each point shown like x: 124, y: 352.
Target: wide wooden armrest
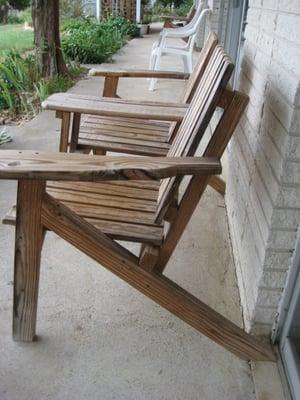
x: 174, y: 17
x: 83, y: 167
x: 111, y: 107
x: 140, y: 74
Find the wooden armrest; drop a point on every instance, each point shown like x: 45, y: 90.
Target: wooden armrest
x: 174, y: 17
x: 82, y: 167
x: 111, y: 107
x: 140, y: 74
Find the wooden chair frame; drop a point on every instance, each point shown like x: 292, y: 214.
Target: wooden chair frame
x: 38, y: 209
x: 71, y: 119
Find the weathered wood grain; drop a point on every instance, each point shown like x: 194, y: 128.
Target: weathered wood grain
x: 123, y: 73
x: 155, y: 286
x: 84, y: 167
x: 28, y: 244
x: 107, y: 106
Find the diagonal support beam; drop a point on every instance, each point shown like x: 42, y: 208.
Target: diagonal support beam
x: 160, y: 289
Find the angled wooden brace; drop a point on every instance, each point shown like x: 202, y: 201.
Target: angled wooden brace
x: 31, y: 169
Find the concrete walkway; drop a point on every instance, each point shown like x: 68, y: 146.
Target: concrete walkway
x: 98, y: 338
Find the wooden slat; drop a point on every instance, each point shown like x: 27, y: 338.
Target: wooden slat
x: 204, y: 57
x: 159, y: 125
x: 81, y: 196
x: 110, y: 86
x: 157, y: 287
x: 115, y: 229
x: 75, y: 131
x: 137, y: 130
x: 115, y: 107
x: 121, y: 148
x: 146, y: 73
x: 82, y: 167
x: 110, y: 188
x: 64, y: 131
x: 202, y: 107
x: 121, y: 138
x: 197, y: 184
x: 218, y: 184
x: 28, y: 245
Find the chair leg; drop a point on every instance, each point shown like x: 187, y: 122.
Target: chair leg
x: 187, y: 64
x: 28, y: 246
x: 156, y: 66
x: 75, y: 132
x: 190, y: 63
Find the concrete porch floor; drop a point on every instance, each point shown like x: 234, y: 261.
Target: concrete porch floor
x: 98, y: 338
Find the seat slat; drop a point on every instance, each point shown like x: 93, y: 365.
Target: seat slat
x: 117, y: 230
x: 124, y: 132
x: 113, y: 189
x: 122, y: 148
x: 98, y: 199
x: 130, y: 124
x: 119, y: 209
x: 93, y: 134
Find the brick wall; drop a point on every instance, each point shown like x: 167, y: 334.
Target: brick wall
x: 263, y: 182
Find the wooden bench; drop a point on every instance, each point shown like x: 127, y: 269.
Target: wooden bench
x: 92, y: 200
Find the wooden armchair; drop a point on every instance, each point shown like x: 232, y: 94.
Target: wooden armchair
x: 92, y: 201
x: 138, y: 136
x: 174, y: 21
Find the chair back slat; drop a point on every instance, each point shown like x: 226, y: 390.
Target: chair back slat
x: 203, y: 60
x: 201, y: 109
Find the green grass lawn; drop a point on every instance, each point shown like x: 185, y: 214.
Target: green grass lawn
x: 14, y: 36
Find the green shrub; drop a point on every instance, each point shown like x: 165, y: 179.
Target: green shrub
x: 25, y: 15
x: 21, y: 87
x: 14, y: 19
x: 88, y: 41
x: 162, y: 7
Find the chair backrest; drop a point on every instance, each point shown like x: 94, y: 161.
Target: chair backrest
x: 191, y: 28
x: 201, y: 109
x: 191, y: 85
x: 191, y: 13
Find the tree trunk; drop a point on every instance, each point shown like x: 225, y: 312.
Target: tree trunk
x: 4, y: 13
x: 45, y: 17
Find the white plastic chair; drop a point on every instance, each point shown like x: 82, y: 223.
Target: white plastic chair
x: 185, y: 51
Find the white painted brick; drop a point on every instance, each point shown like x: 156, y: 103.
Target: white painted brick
x: 277, y: 132
x: 293, y: 148
x: 273, y: 279
x: 291, y: 173
x: 270, y: 4
x: 268, y: 298
x: 284, y: 82
x: 288, y: 56
x: 287, y: 26
x: 268, y: 21
x: 264, y: 315
x: 288, y: 197
x: 285, y: 113
x: 260, y: 329
x: 256, y: 70
x: 282, y: 239
x: 255, y: 3
x: 292, y: 6
x: 253, y: 17
x: 263, y: 185
x: 278, y: 260
x: 285, y: 218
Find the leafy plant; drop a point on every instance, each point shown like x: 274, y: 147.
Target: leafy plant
x: 88, y: 41
x: 21, y: 87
